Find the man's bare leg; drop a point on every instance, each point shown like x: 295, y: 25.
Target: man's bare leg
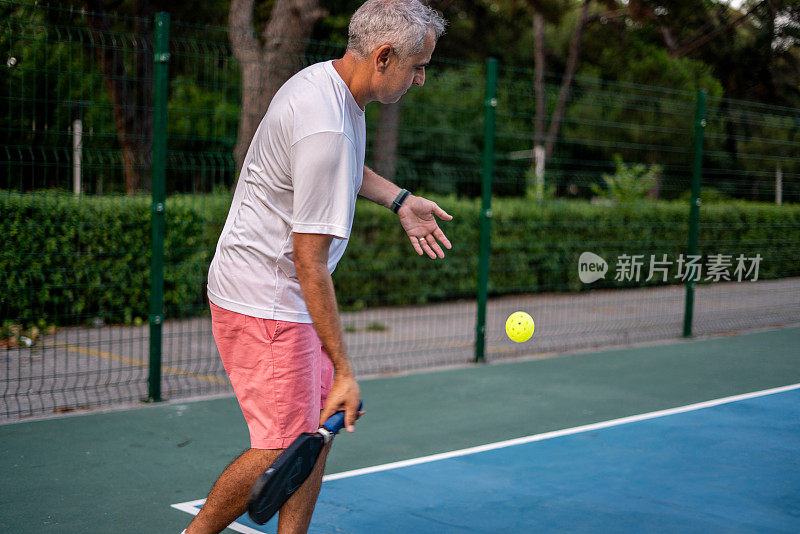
x: 295, y: 515
x: 228, y: 498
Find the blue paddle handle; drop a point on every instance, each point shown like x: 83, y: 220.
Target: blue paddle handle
x: 335, y: 422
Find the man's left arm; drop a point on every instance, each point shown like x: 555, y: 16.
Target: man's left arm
x: 417, y: 214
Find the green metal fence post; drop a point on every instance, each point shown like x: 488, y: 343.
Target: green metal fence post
x: 489, y: 107
x: 694, y: 211
x: 157, y: 212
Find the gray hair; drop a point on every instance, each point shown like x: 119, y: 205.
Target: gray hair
x: 402, y: 24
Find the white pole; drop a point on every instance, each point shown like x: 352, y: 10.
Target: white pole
x: 539, y: 154
x: 779, y: 186
x: 77, y: 146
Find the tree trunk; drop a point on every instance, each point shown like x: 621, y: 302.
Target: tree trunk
x: 266, y: 67
x: 144, y: 74
x: 542, y: 155
x: 131, y: 101
x: 566, y: 80
x: 539, y: 159
x: 386, y: 139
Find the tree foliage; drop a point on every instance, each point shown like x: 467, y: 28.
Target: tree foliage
x: 681, y: 46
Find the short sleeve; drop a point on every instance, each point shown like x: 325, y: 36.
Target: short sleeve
x: 324, y: 171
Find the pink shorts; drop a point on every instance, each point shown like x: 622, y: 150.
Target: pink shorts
x: 280, y: 373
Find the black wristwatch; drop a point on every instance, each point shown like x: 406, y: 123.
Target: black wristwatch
x: 398, y: 201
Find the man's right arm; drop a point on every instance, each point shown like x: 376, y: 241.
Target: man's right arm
x: 311, y: 262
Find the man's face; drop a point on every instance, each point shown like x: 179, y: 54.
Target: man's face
x: 400, y: 74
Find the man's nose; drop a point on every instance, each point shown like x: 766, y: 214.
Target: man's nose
x: 419, y: 78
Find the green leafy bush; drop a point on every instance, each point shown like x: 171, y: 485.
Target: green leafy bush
x: 630, y: 183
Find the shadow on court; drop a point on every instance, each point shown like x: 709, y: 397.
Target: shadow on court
x: 121, y: 471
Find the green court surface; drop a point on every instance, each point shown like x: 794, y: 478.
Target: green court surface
x: 120, y: 471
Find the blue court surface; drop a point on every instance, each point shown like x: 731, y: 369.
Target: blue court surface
x: 729, y: 465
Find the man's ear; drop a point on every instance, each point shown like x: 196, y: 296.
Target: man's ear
x: 383, y: 56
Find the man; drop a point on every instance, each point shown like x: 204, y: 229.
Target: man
x: 274, y: 312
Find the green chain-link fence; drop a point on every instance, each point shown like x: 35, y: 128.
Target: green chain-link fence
x: 79, y: 193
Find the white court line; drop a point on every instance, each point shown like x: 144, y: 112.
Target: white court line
x: 193, y: 507
x: 557, y: 433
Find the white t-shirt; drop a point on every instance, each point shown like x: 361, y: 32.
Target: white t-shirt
x: 302, y: 174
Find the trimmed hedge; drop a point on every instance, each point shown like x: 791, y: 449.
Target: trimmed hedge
x: 535, y: 247
x: 71, y: 260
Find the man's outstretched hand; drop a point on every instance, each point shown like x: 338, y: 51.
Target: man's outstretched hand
x: 418, y: 217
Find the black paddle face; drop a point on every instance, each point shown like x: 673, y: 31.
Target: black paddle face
x: 274, y: 487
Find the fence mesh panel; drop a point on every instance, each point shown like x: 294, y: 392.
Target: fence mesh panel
x: 76, y: 140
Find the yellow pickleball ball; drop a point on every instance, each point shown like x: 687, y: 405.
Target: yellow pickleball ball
x: 519, y: 326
